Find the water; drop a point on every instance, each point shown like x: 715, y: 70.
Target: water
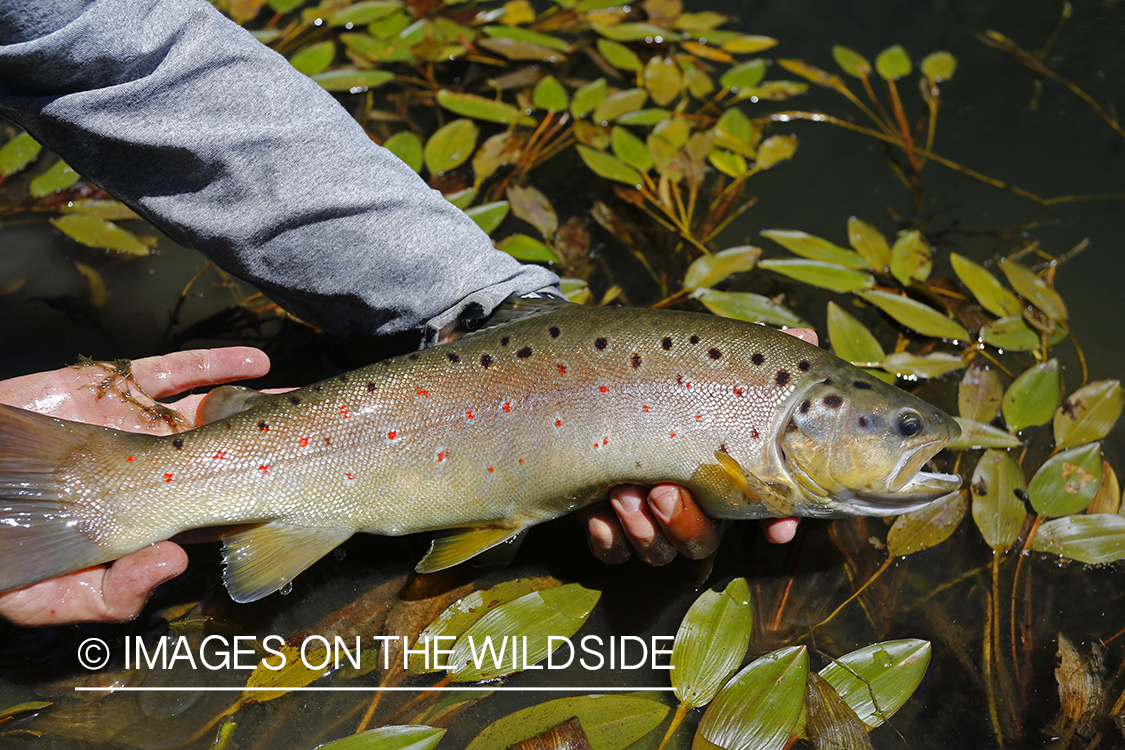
x: 940, y: 595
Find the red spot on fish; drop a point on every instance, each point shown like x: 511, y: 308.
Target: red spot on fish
x: 303, y: 442
x: 423, y: 393
x: 344, y: 412
x: 605, y: 441
x: 558, y: 423
x: 168, y: 477
x: 597, y: 445
x: 469, y: 414
x: 441, y: 456
x: 671, y: 434
x: 219, y: 455
x: 128, y: 458
x: 754, y: 433
x: 349, y: 475
x: 602, y: 388
x: 683, y: 383
x: 698, y: 417
x: 737, y: 391
x: 265, y: 469
x: 263, y: 427
x: 328, y: 441
x: 562, y: 370
x: 490, y: 469
x: 507, y: 406
x: 644, y: 408
x: 521, y: 462
x: 392, y: 435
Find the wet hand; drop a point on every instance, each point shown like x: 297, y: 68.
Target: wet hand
x: 117, y: 592
x: 657, y: 524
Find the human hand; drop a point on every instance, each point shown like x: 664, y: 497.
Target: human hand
x: 117, y: 592
x: 657, y: 524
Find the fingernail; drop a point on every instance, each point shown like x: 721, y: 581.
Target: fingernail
x: 628, y: 499
x: 665, y: 502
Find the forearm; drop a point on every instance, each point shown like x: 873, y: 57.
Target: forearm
x: 220, y: 143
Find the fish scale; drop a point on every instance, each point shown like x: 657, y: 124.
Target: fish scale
x: 502, y: 429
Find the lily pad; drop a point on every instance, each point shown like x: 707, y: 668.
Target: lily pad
x: 709, y: 270
x: 1088, y: 414
x: 927, y: 527
x: 406, y: 146
x: 550, y: 95
x: 748, y: 306
x: 488, y: 215
x: 980, y: 435
x: 876, y: 680
x: 532, y: 206
x: 611, y: 722
x: 526, y: 248
x: 450, y: 146
x: 820, y: 274
x: 850, y: 339
x: 95, y: 232
x: 619, y: 56
x: 711, y: 642
x: 776, y: 149
x: 1034, y: 289
x: 609, y: 167
x: 932, y: 365
x: 1032, y: 397
x: 17, y: 154
x: 1067, y: 482
x: 870, y: 243
x: 851, y: 62
x: 893, y: 63
x: 1094, y: 539
x: 480, y: 108
x: 815, y: 248
x: 996, y: 488
x: 915, y: 315
x: 619, y: 103
x: 911, y: 259
x: 587, y: 96
x: 58, y: 177
x: 402, y: 737
x: 979, y: 393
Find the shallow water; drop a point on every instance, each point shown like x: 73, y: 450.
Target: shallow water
x: 1062, y: 148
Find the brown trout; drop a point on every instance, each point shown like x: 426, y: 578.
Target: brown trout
x: 478, y: 439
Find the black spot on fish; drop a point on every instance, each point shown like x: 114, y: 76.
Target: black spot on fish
x: 666, y: 343
x: 524, y: 353
x: 412, y: 357
x: 833, y: 401
x: 722, y: 447
x: 600, y: 344
x: 636, y: 360
x: 504, y: 340
x: 862, y: 385
x: 758, y: 359
x: 263, y: 426
x: 295, y: 400
x: 714, y: 354
x: 805, y: 405
x: 863, y: 421
x: 343, y: 378
x: 453, y: 358
x: 803, y: 365
x: 316, y: 388
x: 693, y: 339
x: 782, y: 378
x: 371, y: 387
x: 178, y: 443
x: 791, y: 427
x: 485, y: 360
x: 754, y: 433
x: 554, y: 331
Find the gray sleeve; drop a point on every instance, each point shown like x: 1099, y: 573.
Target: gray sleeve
x: 218, y: 141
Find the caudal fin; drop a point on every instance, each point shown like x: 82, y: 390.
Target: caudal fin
x: 41, y: 534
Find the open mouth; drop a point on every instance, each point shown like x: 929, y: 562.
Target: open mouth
x: 907, y: 488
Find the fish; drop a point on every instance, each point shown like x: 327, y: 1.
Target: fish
x: 477, y: 440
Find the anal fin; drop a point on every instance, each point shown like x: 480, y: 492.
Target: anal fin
x: 262, y: 559
x: 458, y: 545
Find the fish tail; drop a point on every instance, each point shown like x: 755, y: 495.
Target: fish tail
x: 41, y: 533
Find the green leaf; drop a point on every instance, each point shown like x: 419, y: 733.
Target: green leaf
x: 550, y: 95
x: 663, y: 80
x: 480, y: 108
x: 403, y: 737
x: 526, y: 35
x: 851, y: 62
x: 915, y: 315
x: 1088, y: 414
x: 850, y: 339
x: 17, y: 154
x: 745, y: 75
x: 911, y: 259
x: 893, y: 63
x: 829, y: 722
x: 488, y: 215
x: 611, y: 722
x: 932, y: 365
x: 1034, y: 289
x: 462, y: 198
x: 587, y: 96
x: 1066, y: 482
x: 711, y: 642
x: 926, y: 527
x: 747, y: 306
x: 615, y: 105
x: 980, y: 435
x: 94, y: 232
x: 675, y: 130
x: 406, y: 146
x: 365, y: 12
x: 1011, y: 334
x: 876, y: 680
x: 991, y: 295
x: 516, y: 49
x: 575, y: 290
x: 761, y: 707
x: 525, y: 248
x: 609, y: 167
x: 870, y: 243
x: 1094, y: 539
x: 820, y: 274
x: 979, y: 393
x: 315, y: 58
x: 776, y: 149
x: 635, y: 32
x: 815, y: 248
x: 109, y: 210
x: 450, y: 146
x: 709, y: 270
x: 58, y: 177
x: 996, y: 488
x: 352, y: 80
x: 592, y: 134
x: 1108, y: 497
x: 644, y: 117
x: 619, y: 56
x: 395, y: 49
x: 700, y: 22
x: 1032, y: 397
x: 733, y: 131
x: 773, y: 91
x: 746, y: 44
x: 630, y: 149
x: 498, y: 150
x: 389, y: 27
x: 939, y: 66
x: 732, y: 165
x: 532, y: 206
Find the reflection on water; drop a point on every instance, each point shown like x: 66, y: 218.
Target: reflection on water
x: 943, y: 595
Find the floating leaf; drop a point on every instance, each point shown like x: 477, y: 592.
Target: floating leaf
x: 550, y: 95
x: 611, y: 722
x: 748, y: 44
x: 1011, y: 334
x: 1108, y: 497
x: 820, y: 274
x: 498, y: 150
x: 526, y: 35
x: 663, y: 79
x: 480, y: 108
x: 709, y: 270
x: 352, y: 80
x: 760, y: 707
x: 17, y: 154
x: 1034, y: 289
x: 700, y: 22
x: 315, y: 58
x: 406, y: 146
x: 1093, y: 539
x: 850, y: 339
x: 707, y: 52
x: 402, y: 737
x: 829, y: 722
x: 733, y: 131
x: 711, y: 642
x: 742, y: 76
x: 1088, y: 414
x: 523, y: 247
x: 516, y: 49
x: 533, y: 207
x: 592, y: 134
x: 651, y: 116
x: 748, y: 306
x: 391, y: 26
x: 1066, y: 482
x: 870, y: 243
x: 587, y: 96
x: 939, y: 66
x: 979, y: 435
x: 363, y: 13
x: 450, y: 146
x: 675, y: 130
x: 991, y: 295
x: 932, y: 365
x: 609, y: 167
x: 488, y: 215
x: 300, y: 665
x: 630, y: 149
x: 815, y: 248
x: 58, y: 177
x: 394, y: 49
x: 911, y: 259
x: 876, y: 680
x: 619, y: 56
x: 110, y: 210
x: 979, y: 393
x: 773, y: 91
x: 575, y: 290
x: 94, y: 232
x: 615, y: 105
x: 635, y: 32
x: 996, y: 489
x: 851, y: 62
x: 812, y: 73
x: 517, y: 12
x: 915, y: 315
x: 1032, y: 397
x: 776, y: 149
x: 732, y: 165
x: 893, y: 63
x: 926, y: 527
x: 699, y: 84
x: 96, y: 291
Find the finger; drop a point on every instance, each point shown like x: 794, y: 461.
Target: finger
x: 604, y: 534
x: 129, y: 582
x: 174, y: 373
x: 686, y: 526
x: 640, y: 526
x: 804, y: 334
x: 779, y: 530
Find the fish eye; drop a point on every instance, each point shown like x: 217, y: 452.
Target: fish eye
x: 909, y: 423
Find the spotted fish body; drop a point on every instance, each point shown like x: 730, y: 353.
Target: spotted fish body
x: 501, y: 430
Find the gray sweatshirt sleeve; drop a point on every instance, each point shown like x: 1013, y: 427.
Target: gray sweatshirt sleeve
x: 218, y: 141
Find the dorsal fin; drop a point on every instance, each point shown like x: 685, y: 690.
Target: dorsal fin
x: 226, y: 401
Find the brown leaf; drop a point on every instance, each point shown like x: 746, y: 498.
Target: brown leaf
x: 565, y: 736
x: 1081, y: 696
x: 572, y: 243
x: 532, y: 206
x: 831, y: 723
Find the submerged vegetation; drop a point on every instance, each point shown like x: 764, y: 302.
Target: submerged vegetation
x: 673, y: 116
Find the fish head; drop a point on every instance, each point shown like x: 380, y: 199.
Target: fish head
x: 854, y: 445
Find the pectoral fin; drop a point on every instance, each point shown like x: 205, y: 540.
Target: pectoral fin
x: 228, y: 400
x: 736, y: 475
x: 261, y: 560
x: 779, y: 504
x: 458, y: 545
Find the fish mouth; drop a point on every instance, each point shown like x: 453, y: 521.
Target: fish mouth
x: 908, y: 487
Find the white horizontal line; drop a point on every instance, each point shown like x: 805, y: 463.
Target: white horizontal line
x: 350, y: 689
